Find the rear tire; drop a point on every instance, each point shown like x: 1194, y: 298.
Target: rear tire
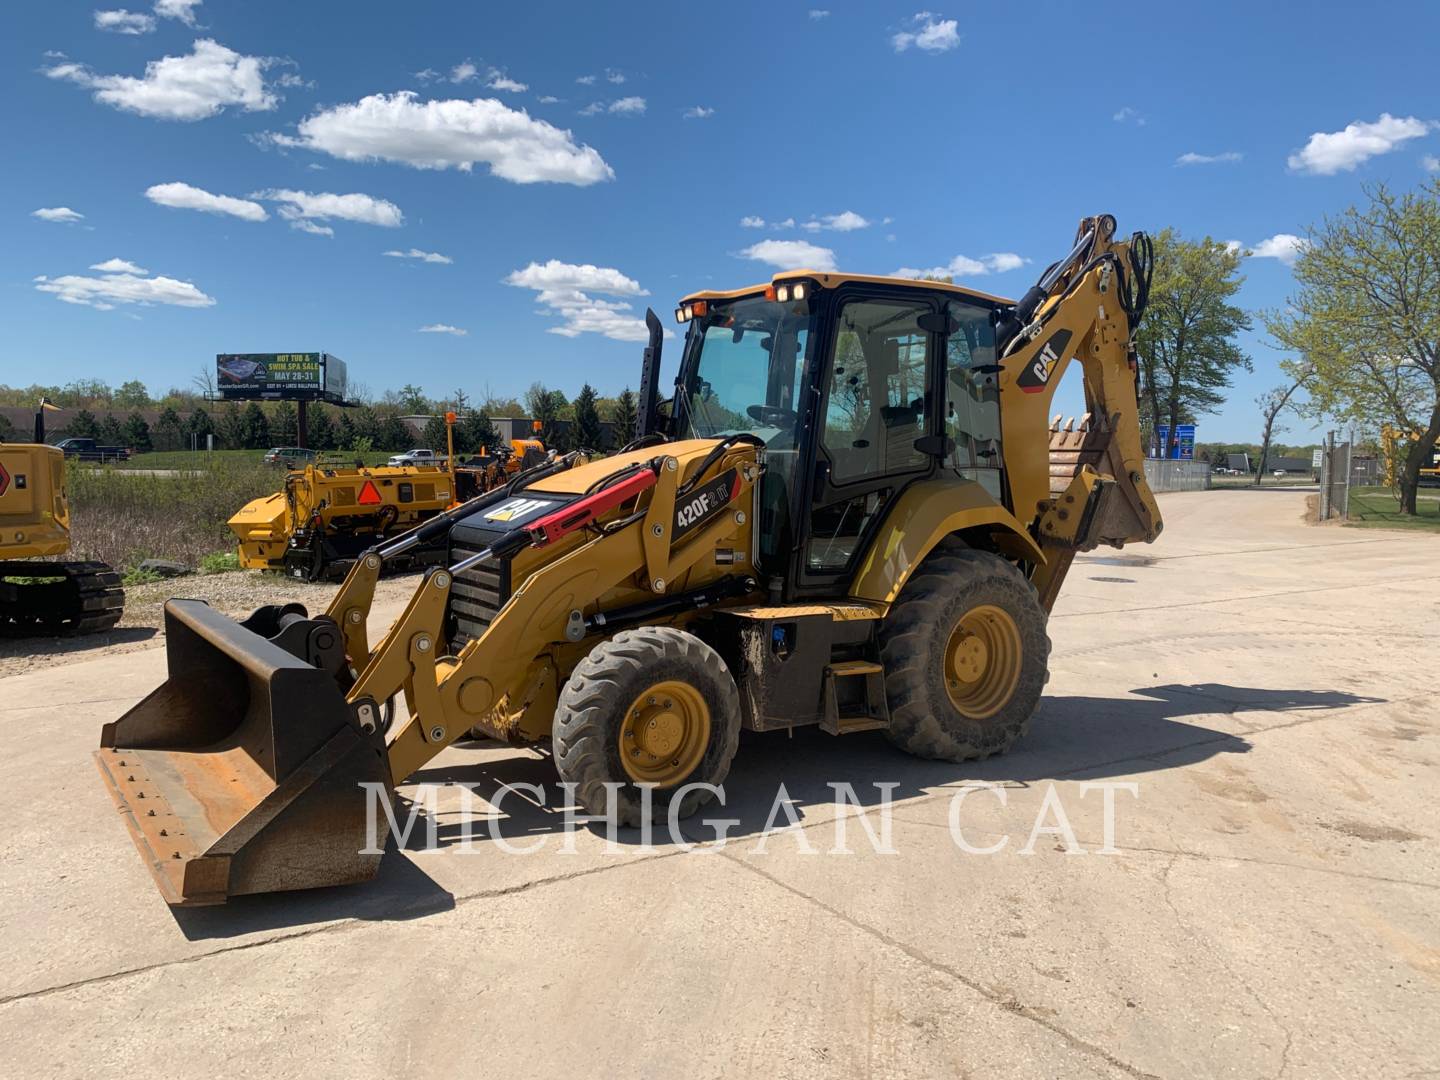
x: 650, y: 705
x: 966, y: 657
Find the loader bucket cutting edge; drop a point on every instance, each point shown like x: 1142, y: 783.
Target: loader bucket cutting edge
x: 242, y: 772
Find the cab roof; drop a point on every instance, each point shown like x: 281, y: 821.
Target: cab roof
x: 834, y: 279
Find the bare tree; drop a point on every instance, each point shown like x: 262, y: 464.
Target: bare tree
x: 1272, y: 403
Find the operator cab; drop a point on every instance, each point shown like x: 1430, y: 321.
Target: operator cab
x: 858, y: 387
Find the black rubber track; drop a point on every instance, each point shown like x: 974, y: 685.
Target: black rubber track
x: 87, y: 598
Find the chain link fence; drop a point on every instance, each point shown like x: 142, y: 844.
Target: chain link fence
x: 1177, y: 475
x: 1335, y: 476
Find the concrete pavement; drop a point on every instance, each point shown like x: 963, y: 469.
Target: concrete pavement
x: 1270, y: 908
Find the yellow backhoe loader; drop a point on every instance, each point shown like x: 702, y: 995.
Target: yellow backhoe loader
x: 42, y: 597
x: 853, y: 513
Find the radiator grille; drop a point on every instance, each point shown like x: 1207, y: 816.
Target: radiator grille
x: 476, y: 595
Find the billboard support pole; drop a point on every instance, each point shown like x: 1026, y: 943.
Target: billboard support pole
x: 302, y: 425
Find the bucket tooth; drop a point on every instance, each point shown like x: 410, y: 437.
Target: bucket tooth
x: 243, y: 771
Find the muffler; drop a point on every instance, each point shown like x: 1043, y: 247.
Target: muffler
x: 243, y: 772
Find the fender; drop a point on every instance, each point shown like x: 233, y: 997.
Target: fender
x: 925, y: 514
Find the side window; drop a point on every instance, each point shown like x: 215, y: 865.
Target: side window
x: 876, y: 402
x: 972, y: 397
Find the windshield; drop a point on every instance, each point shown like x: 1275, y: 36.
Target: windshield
x: 744, y: 364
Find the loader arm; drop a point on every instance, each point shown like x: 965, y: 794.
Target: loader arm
x: 1078, y: 489
x: 447, y: 696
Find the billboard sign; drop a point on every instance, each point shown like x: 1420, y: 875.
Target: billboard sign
x: 309, y: 375
x: 1179, y: 448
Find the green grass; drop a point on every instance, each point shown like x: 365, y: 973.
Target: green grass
x: 218, y: 562
x: 1377, y: 508
x: 199, y: 459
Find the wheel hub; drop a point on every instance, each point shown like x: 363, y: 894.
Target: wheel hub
x: 982, y: 661
x: 664, y: 734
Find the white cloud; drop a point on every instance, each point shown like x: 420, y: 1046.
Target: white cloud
x: 1330, y: 152
x: 1129, y: 115
x: 627, y: 106
x: 501, y: 81
x: 816, y: 14
x: 1234, y: 247
x: 752, y: 222
x: 61, y: 214
x: 587, y: 277
x: 963, y: 266
x: 1430, y: 163
x: 192, y: 87
x: 306, y: 226
x: 698, y: 112
x: 119, y: 266
x: 463, y: 72
x: 451, y: 134
x: 790, y: 255
x: 586, y: 80
x: 184, y: 10
x: 563, y: 291
x: 547, y: 99
x: 1225, y: 158
x: 423, y: 256
x: 427, y: 75
x: 848, y: 221
x: 443, y: 328
x: 124, y: 22
x: 613, y: 76
x: 1286, y: 247
x: 122, y: 282
x: 928, y: 32
x: 185, y: 197
x: 324, y: 205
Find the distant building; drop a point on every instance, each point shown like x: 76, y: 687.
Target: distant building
x: 1290, y: 465
x: 1238, y: 463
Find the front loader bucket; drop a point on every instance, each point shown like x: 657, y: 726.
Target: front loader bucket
x: 242, y: 772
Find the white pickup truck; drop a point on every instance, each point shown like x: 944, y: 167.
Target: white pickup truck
x: 416, y: 457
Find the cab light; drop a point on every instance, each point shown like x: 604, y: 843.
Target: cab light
x: 782, y: 293
x: 699, y: 308
x: 769, y: 292
x: 798, y: 291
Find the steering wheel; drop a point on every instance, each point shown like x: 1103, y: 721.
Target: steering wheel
x: 773, y: 415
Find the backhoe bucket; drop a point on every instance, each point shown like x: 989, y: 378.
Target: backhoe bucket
x: 242, y: 772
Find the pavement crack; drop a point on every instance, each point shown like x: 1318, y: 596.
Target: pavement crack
x: 314, y: 931
x: 1001, y: 1001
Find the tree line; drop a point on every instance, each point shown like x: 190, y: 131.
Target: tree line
x: 564, y: 423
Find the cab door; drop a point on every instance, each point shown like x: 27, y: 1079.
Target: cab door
x: 874, y: 422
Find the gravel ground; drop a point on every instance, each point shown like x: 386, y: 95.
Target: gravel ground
x: 237, y: 593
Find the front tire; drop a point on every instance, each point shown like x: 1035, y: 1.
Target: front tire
x: 966, y: 657
x: 653, y: 705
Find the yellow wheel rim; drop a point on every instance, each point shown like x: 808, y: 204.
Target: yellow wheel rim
x: 982, y: 661
x: 664, y: 734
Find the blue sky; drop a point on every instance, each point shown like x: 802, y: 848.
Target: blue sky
x: 968, y: 137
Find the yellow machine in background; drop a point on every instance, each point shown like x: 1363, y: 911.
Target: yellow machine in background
x: 42, y: 597
x: 855, y: 515
x: 326, y: 514
x: 1393, y: 451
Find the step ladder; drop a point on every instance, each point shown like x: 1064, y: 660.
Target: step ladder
x: 870, y: 714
